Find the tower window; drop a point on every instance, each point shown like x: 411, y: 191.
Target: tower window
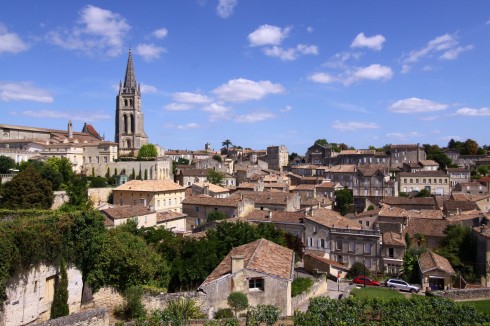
x: 125, y: 102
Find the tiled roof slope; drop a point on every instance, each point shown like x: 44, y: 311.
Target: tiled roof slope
x: 119, y: 212
x: 262, y: 256
x: 150, y: 185
x: 430, y: 261
x: 331, y: 219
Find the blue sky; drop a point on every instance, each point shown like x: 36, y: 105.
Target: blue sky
x: 257, y: 72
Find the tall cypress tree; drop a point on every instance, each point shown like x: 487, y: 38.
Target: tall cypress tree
x: 60, y: 308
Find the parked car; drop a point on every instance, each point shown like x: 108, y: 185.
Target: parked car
x: 366, y: 280
x: 396, y: 283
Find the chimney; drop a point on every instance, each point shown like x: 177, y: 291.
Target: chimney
x: 70, y: 129
x: 206, y: 188
x: 237, y: 263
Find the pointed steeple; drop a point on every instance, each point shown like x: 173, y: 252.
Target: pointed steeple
x: 130, y: 78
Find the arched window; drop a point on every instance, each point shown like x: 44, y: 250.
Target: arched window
x: 128, y: 143
x: 132, y: 123
x: 125, y: 123
x: 125, y: 102
x: 131, y: 102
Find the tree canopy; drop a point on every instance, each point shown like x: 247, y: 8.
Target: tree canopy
x: 6, y: 163
x: 343, y: 200
x: 215, y: 177
x: 147, y: 151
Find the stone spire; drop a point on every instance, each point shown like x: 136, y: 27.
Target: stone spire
x: 130, y: 85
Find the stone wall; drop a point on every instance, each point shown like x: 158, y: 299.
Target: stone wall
x: 106, y: 298
x: 98, y: 196
x: 319, y: 286
x: 60, y: 197
x: 464, y: 294
x: 92, y: 317
x: 160, y: 301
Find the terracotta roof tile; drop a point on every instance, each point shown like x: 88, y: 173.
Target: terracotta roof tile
x: 432, y: 174
x: 169, y: 216
x: 331, y: 219
x: 205, y: 200
x: 276, y: 216
x: 393, y: 239
x: 328, y: 261
x: 212, y: 187
x: 429, y: 261
x: 261, y: 256
x: 425, y: 201
x: 119, y: 212
x: 150, y: 185
x: 427, y: 227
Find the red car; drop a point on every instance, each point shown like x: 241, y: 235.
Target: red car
x: 366, y: 280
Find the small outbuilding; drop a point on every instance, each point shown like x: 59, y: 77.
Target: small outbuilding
x: 436, y: 271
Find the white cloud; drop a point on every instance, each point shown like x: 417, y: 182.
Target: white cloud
x: 474, y: 112
x: 372, y: 72
x: 268, y: 35
x: 291, y: 54
x: 454, y: 53
x: 310, y: 29
x: 225, y: 8
x: 254, y: 117
x: 288, y: 108
x: 24, y: 91
x: 239, y: 90
x: 338, y: 60
x: 446, y: 44
x: 416, y: 105
x: 147, y: 89
x: 79, y: 116
x: 11, y: 42
x: 403, y: 136
x: 217, y: 112
x: 322, y: 78
x: 191, y: 125
x: 149, y: 51
x: 160, y: 33
x: 353, y: 125
x: 97, y: 30
x: 177, y: 107
x: 374, y: 42
x: 191, y: 98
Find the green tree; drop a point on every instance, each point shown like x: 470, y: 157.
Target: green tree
x: 215, y: 177
x: 227, y: 143
x: 27, y: 189
x: 343, y: 200
x: 358, y: 269
x: 133, y: 306
x: 216, y: 215
x: 237, y: 301
x: 147, y: 151
x: 424, y: 193
x: 301, y: 285
x: 217, y: 158
x: 78, y: 192
x: 64, y: 166
x: 59, y: 307
x: 293, y: 156
x: 146, y: 174
x: 6, y: 163
x: 459, y: 247
x: 470, y: 147
x: 410, y: 263
x: 132, y: 176
x: 321, y: 141
x: 483, y: 170
x: 51, y: 173
x: 108, y: 173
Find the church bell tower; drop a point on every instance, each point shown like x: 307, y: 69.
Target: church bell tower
x: 130, y: 133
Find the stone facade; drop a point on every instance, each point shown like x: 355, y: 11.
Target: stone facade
x: 155, y: 170
x: 277, y: 157
x: 92, y: 317
x: 30, y: 295
x: 464, y: 294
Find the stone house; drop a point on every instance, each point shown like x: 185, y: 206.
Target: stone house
x: 226, y: 166
x: 418, y: 203
x: 342, y: 240
x: 392, y: 252
x: 436, y: 182
x: 483, y: 202
x: 317, y: 154
x: 371, y: 183
x: 273, y: 201
x: 210, y: 189
x: 174, y: 221
x: 262, y: 270
x: 436, y: 271
x: 30, y: 295
x: 327, y: 189
x: 142, y: 215
x: 358, y: 157
x: 458, y: 175
x: 405, y: 153
x: 277, y: 157
x: 482, y: 263
x: 431, y: 229
x: 308, y: 170
x: 472, y: 188
x: 368, y: 220
x: 469, y: 161
x: 187, y: 177
x: 161, y: 195
x: 456, y: 207
x: 392, y: 219
x: 198, y: 207
x: 314, y: 262
x: 342, y: 174
x: 291, y: 222
x: 305, y: 191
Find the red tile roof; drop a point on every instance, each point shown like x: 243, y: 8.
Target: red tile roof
x: 429, y: 261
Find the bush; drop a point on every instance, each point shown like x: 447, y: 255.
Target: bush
x: 223, y: 313
x: 267, y: 314
x: 237, y: 301
x: 301, y: 285
x: 98, y: 182
x: 358, y: 269
x: 133, y: 308
x: 216, y: 215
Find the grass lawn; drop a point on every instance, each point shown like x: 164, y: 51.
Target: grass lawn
x: 376, y: 292
x: 480, y: 305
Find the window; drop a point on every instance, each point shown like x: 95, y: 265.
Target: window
x: 322, y: 243
x: 197, y: 209
x: 367, y: 223
x: 367, y: 248
x: 339, y: 244
x: 339, y: 258
x: 256, y: 283
x: 352, y: 246
x: 314, y: 229
x: 310, y: 242
x: 391, y: 252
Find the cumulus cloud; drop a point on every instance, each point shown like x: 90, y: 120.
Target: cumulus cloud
x: 11, y: 42
x: 190, y: 98
x: 474, y: 112
x: 447, y: 44
x: 353, y: 125
x: 178, y: 107
x: 321, y: 78
x: 372, y: 72
x: 217, y: 112
x: 254, y: 117
x: 240, y: 90
x: 225, y: 8
x: 23, y: 91
x: 160, y: 33
x: 291, y: 54
x: 97, y: 30
x: 268, y: 35
x: 416, y: 105
x: 374, y: 42
x: 148, y: 89
x: 149, y: 51
x: 339, y: 60
x: 76, y: 116
x: 191, y: 125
